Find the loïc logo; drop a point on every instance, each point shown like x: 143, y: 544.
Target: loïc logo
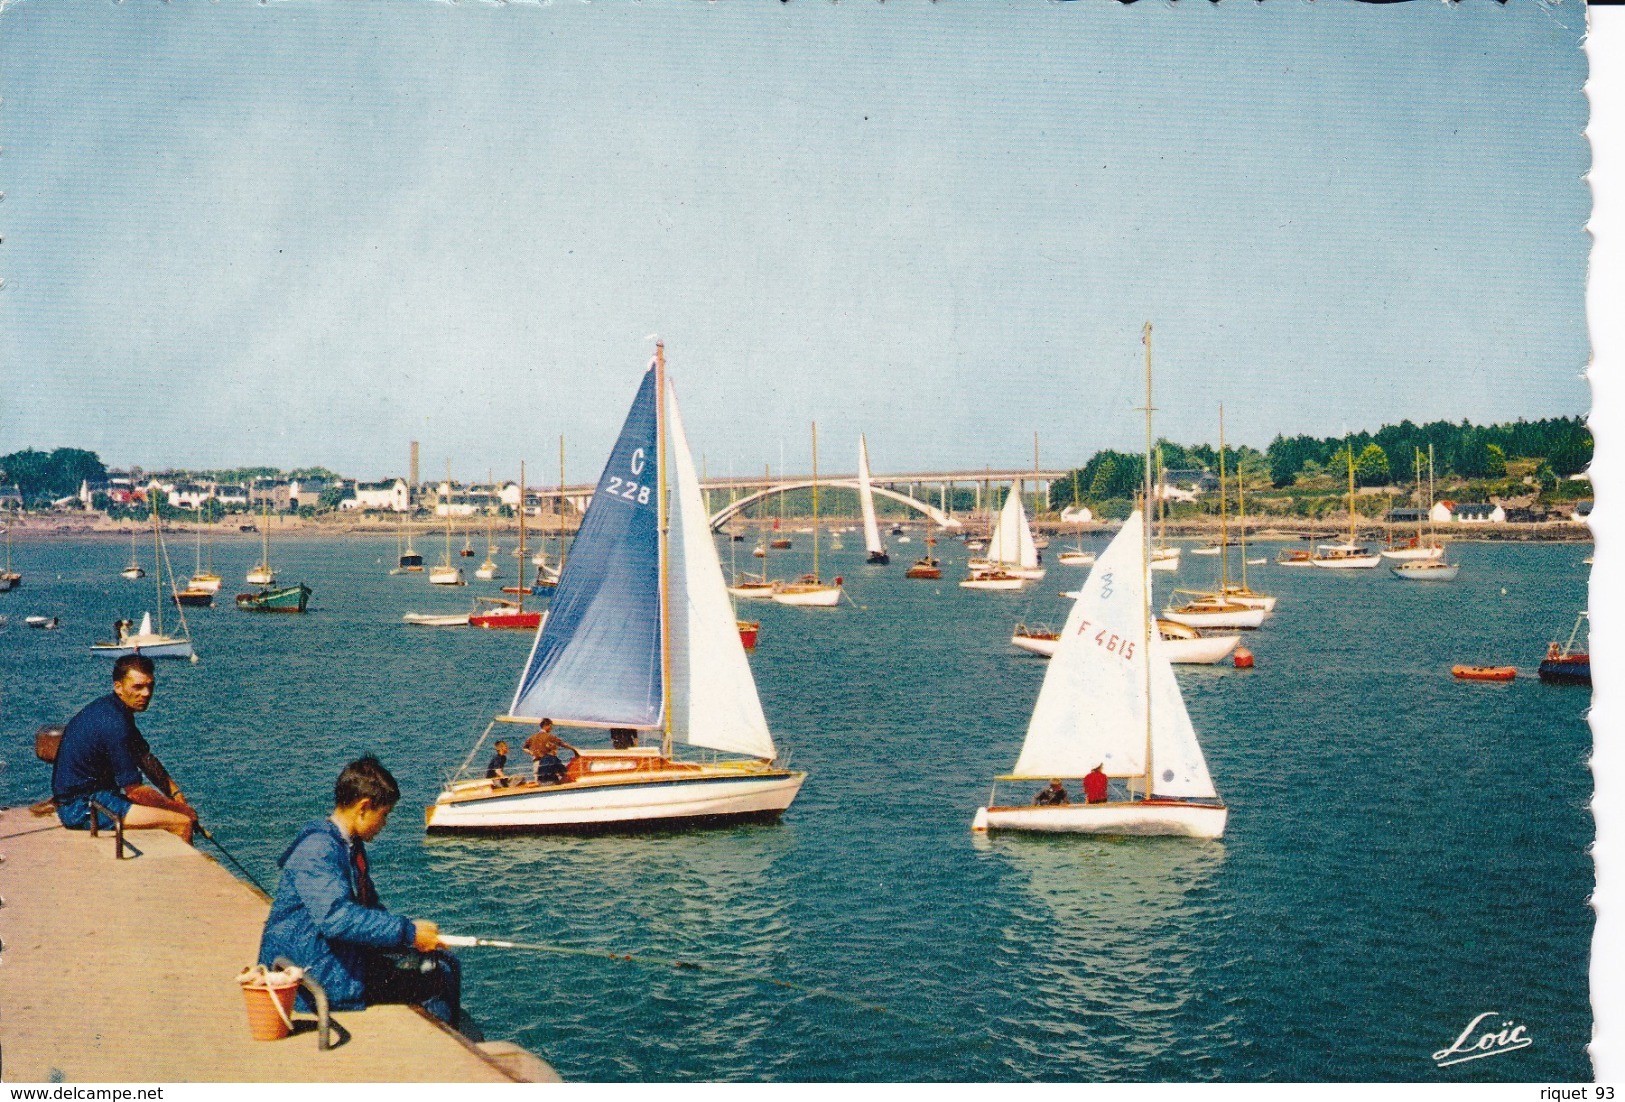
x: 1475, y: 1043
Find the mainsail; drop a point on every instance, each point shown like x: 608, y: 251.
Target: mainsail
x: 1091, y: 708
x: 1012, y: 541
x: 596, y: 660
x: 713, y: 695
x: 866, y: 498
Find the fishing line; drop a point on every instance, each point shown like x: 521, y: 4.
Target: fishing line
x: 461, y: 941
x: 203, y: 830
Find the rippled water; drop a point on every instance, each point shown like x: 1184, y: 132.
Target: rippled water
x: 1404, y: 851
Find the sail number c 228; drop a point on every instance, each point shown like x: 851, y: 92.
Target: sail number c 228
x: 1116, y: 644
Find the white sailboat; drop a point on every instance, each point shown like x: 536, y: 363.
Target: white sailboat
x: 447, y: 572
x: 1184, y: 646
x: 811, y: 591
x: 866, y: 500
x: 488, y: 569
x: 1227, y: 606
x: 133, y: 572
x: 746, y: 586
x: 1420, y: 547
x: 1110, y: 700
x: 152, y: 641
x: 261, y: 573
x: 1012, y: 556
x: 1349, y: 555
x: 641, y: 636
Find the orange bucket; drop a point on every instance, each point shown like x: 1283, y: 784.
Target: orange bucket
x: 270, y: 1006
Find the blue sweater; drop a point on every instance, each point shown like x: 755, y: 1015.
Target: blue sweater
x: 319, y: 922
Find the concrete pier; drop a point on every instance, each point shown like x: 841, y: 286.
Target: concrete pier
x: 125, y: 971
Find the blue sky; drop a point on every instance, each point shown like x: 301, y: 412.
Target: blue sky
x: 305, y: 233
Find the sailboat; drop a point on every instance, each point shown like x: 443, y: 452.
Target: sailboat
x: 1076, y: 556
x: 488, y: 570
x: 1565, y: 665
x: 1242, y: 594
x: 641, y: 637
x: 1010, y: 548
x: 9, y: 578
x: 147, y: 639
x: 446, y: 572
x: 756, y: 587
x: 194, y: 594
x: 205, y: 580
x: 928, y: 567
x: 1164, y: 557
x: 271, y: 597
x: 261, y: 573
x: 1419, y: 546
x: 1110, y: 701
x: 1183, y: 645
x: 866, y: 500
x: 810, y: 590
x: 498, y: 612
x: 407, y: 560
x: 1221, y: 608
x: 1349, y: 555
x: 133, y: 571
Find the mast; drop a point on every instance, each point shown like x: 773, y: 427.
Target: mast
x: 663, y: 526
x: 1348, y: 446
x: 1224, y: 530
x: 761, y: 532
x: 157, y: 558
x: 816, y: 578
x: 265, y: 533
x: 561, y: 505
x: 1145, y: 564
x: 1431, y: 492
x: 1241, y: 521
x: 448, y: 512
x: 1036, y: 491
x: 199, y: 557
x: 521, y: 587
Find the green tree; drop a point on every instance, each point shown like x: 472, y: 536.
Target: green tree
x: 1495, y: 461
x: 1371, y: 467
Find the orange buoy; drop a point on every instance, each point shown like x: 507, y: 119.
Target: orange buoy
x: 1484, y: 673
x: 1243, y: 658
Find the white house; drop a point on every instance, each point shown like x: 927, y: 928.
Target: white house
x: 1479, y: 513
x: 390, y: 495
x: 1441, y: 513
x: 190, y: 495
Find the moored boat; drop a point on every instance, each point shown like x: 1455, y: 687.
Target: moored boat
x: 437, y: 620
x: 496, y: 613
x: 1484, y: 673
x: 1426, y: 570
x: 878, y: 555
x: 1565, y: 665
x: 146, y: 640
x: 288, y: 598
x: 643, y: 591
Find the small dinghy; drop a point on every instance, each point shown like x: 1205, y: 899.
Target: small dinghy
x: 1484, y: 673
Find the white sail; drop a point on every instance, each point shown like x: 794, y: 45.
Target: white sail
x: 1012, y: 541
x: 1091, y: 708
x: 712, y: 693
x: 866, y: 498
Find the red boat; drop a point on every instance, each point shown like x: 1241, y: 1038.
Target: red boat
x: 1484, y: 673
x: 748, y: 632
x: 495, y: 612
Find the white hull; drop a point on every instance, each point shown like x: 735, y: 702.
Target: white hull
x: 132, y: 573
x: 809, y: 596
x: 1411, y: 554
x: 992, y: 583
x: 1077, y: 558
x: 1350, y: 562
x: 754, y: 592
x: 1201, y: 651
x: 709, y: 793
x: 153, y: 646
x: 1165, y: 566
x: 209, y: 583
x: 1243, y: 618
x: 1252, y: 600
x: 261, y: 575
x: 1172, y: 817
x: 443, y: 576
x: 485, y: 575
x: 428, y: 620
x: 1427, y: 571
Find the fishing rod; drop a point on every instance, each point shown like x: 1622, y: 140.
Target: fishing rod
x: 459, y: 941
x: 229, y: 856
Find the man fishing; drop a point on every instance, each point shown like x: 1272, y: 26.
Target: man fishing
x: 326, y: 916
x: 102, y: 758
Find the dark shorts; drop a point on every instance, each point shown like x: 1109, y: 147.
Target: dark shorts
x: 75, y: 813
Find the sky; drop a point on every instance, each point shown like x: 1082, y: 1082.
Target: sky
x: 305, y: 233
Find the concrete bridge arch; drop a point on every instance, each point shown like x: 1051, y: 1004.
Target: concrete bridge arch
x: 728, y: 512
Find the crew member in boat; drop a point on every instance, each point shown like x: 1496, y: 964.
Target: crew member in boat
x: 103, y: 757
x: 1053, y: 796
x: 623, y: 738
x: 1553, y: 651
x: 544, y: 746
x: 326, y: 916
x: 1095, y: 784
x: 495, y: 769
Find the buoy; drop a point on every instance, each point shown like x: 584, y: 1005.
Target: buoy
x: 1243, y: 658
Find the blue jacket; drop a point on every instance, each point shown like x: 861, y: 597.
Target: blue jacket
x: 318, y: 919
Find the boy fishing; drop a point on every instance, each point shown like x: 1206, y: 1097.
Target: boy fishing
x: 326, y: 916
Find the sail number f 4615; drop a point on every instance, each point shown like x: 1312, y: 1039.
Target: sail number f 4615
x: 1116, y: 644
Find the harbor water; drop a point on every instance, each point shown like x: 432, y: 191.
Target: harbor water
x: 1404, y: 853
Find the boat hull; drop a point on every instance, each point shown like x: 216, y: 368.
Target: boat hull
x: 1426, y: 572
x: 1566, y: 671
x: 259, y: 576
x: 430, y: 620
x: 169, y: 648
x: 207, y: 582
x: 513, y: 620
x: 1346, y: 562
x: 197, y: 598
x: 1484, y: 673
x: 294, y: 598
x: 1412, y: 554
x: 1203, y: 650
x: 709, y: 795
x: 811, y: 596
x: 441, y: 576
x: 992, y: 583
x: 923, y: 570
x: 1148, y: 818
x: 754, y: 591
x: 1246, y: 619
x: 1077, y: 558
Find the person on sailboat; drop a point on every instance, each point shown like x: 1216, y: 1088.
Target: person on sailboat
x: 623, y: 738
x: 326, y: 916
x: 544, y: 747
x: 495, y: 768
x: 103, y: 757
x: 1095, y: 785
x: 1053, y: 796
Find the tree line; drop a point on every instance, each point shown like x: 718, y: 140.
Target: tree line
x: 1561, y: 446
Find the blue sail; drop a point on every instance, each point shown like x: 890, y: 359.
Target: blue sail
x: 596, y: 660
